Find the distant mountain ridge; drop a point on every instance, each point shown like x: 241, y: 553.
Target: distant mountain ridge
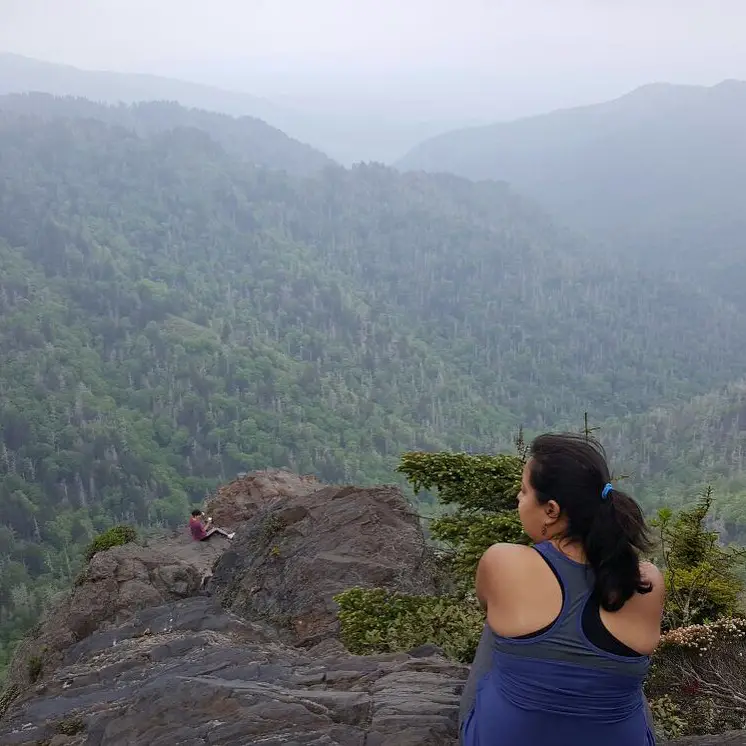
x: 658, y: 174
x: 248, y: 138
x: 345, y: 132
x: 479, y: 147
x: 20, y: 74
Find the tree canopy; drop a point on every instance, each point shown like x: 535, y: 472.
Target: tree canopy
x: 172, y: 314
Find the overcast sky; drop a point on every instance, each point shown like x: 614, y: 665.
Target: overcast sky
x: 684, y: 39
x: 457, y: 59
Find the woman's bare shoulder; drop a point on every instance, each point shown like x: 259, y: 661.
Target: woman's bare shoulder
x: 505, y: 559
x: 500, y: 564
x: 500, y: 553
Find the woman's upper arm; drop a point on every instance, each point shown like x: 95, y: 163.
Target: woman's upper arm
x: 485, y: 574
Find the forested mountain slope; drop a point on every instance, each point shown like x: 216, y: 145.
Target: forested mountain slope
x: 671, y: 453
x: 247, y: 138
x: 658, y: 175
x: 171, y: 315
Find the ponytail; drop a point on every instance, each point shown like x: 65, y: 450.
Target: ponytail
x: 617, y: 537
x: 572, y: 470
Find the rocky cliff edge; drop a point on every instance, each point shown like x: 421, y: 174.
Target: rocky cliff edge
x: 175, y: 642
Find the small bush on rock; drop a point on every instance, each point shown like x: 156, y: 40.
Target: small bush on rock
x: 668, y: 722
x: 380, y: 621
x: 70, y: 726
x: 35, y: 668
x: 114, y: 537
x: 702, y: 582
x: 471, y: 535
x: 698, y: 673
x: 701, y: 669
x: 483, y: 488
x: 471, y: 481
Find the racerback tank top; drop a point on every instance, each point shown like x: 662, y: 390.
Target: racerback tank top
x: 556, y: 688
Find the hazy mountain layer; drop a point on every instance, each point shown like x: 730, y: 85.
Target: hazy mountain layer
x: 246, y: 138
x: 659, y: 176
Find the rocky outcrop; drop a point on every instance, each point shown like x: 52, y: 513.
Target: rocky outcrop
x: 287, y: 562
x: 188, y: 673
x: 243, y: 498
x: 124, y: 662
x: 143, y: 653
x: 112, y: 588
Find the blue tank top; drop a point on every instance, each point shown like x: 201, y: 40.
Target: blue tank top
x: 555, y: 688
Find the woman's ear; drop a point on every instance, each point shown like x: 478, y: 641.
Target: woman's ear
x: 552, y: 510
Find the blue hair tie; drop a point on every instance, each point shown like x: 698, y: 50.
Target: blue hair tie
x: 606, y: 491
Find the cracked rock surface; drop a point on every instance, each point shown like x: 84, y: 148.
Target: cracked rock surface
x: 234, y: 643
x: 189, y: 673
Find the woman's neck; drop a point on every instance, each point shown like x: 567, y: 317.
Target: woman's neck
x: 572, y: 549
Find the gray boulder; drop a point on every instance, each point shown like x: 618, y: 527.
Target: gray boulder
x: 112, y: 588
x: 288, y: 561
x: 241, y: 499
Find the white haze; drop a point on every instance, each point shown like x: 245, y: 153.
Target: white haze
x: 375, y: 76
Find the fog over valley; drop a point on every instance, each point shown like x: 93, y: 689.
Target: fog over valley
x: 368, y: 80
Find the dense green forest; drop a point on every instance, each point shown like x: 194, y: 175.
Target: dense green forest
x: 670, y: 452
x: 656, y: 179
x: 171, y: 314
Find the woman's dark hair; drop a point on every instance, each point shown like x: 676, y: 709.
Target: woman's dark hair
x: 195, y: 513
x: 571, y: 470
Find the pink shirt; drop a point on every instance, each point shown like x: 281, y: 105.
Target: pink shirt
x: 197, y: 529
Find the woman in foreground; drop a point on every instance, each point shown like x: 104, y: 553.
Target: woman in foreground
x: 571, y: 621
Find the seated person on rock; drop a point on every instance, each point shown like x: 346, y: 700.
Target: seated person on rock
x: 202, y: 528
x: 571, y: 621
